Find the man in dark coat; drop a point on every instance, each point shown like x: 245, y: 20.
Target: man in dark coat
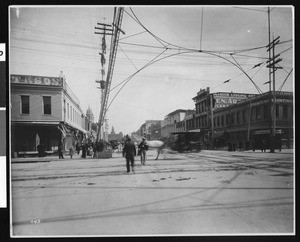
x: 129, y: 152
x: 143, y: 147
x: 60, y: 151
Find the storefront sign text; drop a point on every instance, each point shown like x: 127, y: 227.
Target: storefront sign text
x: 37, y: 80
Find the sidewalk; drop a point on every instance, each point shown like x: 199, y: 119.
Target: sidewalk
x: 46, y: 158
x: 55, y: 158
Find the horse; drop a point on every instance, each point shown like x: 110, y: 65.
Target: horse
x: 156, y: 145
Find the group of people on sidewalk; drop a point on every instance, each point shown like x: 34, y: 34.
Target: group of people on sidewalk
x: 129, y: 152
x: 72, y: 150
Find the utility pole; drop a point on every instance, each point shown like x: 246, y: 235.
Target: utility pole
x: 249, y: 122
x: 212, y: 119
x: 272, y: 62
x: 269, y: 35
x: 113, y: 30
x: 106, y: 30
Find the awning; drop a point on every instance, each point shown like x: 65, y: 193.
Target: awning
x: 77, y: 127
x: 32, y: 123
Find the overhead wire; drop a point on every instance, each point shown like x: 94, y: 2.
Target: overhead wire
x: 138, y: 21
x: 280, y: 88
x: 258, y: 10
x: 128, y: 57
x: 240, y: 67
x: 148, y: 64
x: 133, y: 35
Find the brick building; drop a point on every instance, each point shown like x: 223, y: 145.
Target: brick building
x: 44, y: 110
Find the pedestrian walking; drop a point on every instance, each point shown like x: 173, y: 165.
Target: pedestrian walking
x: 60, y: 151
x: 143, y: 147
x: 84, y: 150
x: 129, y: 152
x: 77, y: 148
x: 71, y: 152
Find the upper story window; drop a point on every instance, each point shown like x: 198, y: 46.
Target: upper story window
x: 244, y: 116
x: 227, y: 119
x: 284, y: 111
x: 232, y: 121
x: 238, y: 116
x: 47, y: 105
x: 277, y: 110
x: 258, y: 112
x: 68, y: 110
x: 266, y: 112
x: 24, y: 104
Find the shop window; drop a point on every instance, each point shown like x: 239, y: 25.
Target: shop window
x: 47, y: 105
x: 222, y: 120
x: 218, y: 121
x: 24, y: 104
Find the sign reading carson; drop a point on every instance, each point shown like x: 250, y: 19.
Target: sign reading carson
x: 37, y: 80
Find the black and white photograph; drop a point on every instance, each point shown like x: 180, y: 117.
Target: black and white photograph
x: 157, y: 120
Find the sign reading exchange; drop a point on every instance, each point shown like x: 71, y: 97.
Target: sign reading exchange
x: 36, y: 80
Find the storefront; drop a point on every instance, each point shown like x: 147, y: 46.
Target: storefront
x: 44, y: 111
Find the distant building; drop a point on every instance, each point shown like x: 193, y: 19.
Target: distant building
x: 150, y: 129
x: 241, y: 117
x: 44, y: 111
x: 90, y: 118
x: 175, y: 122
x: 206, y: 101
x: 114, y: 136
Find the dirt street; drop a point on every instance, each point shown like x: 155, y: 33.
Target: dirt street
x: 206, y: 193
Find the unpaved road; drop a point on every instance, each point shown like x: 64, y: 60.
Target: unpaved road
x: 211, y: 192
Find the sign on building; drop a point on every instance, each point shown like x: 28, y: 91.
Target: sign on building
x: 36, y: 80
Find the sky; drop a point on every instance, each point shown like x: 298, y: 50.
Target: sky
x: 195, y: 47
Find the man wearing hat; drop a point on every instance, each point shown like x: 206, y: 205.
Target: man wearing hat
x: 143, y: 147
x: 129, y: 152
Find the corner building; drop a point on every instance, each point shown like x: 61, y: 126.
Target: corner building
x: 240, y: 118
x: 44, y: 111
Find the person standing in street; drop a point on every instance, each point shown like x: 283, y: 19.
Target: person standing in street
x: 129, y: 152
x: 71, y: 152
x: 60, y: 151
x: 143, y: 147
